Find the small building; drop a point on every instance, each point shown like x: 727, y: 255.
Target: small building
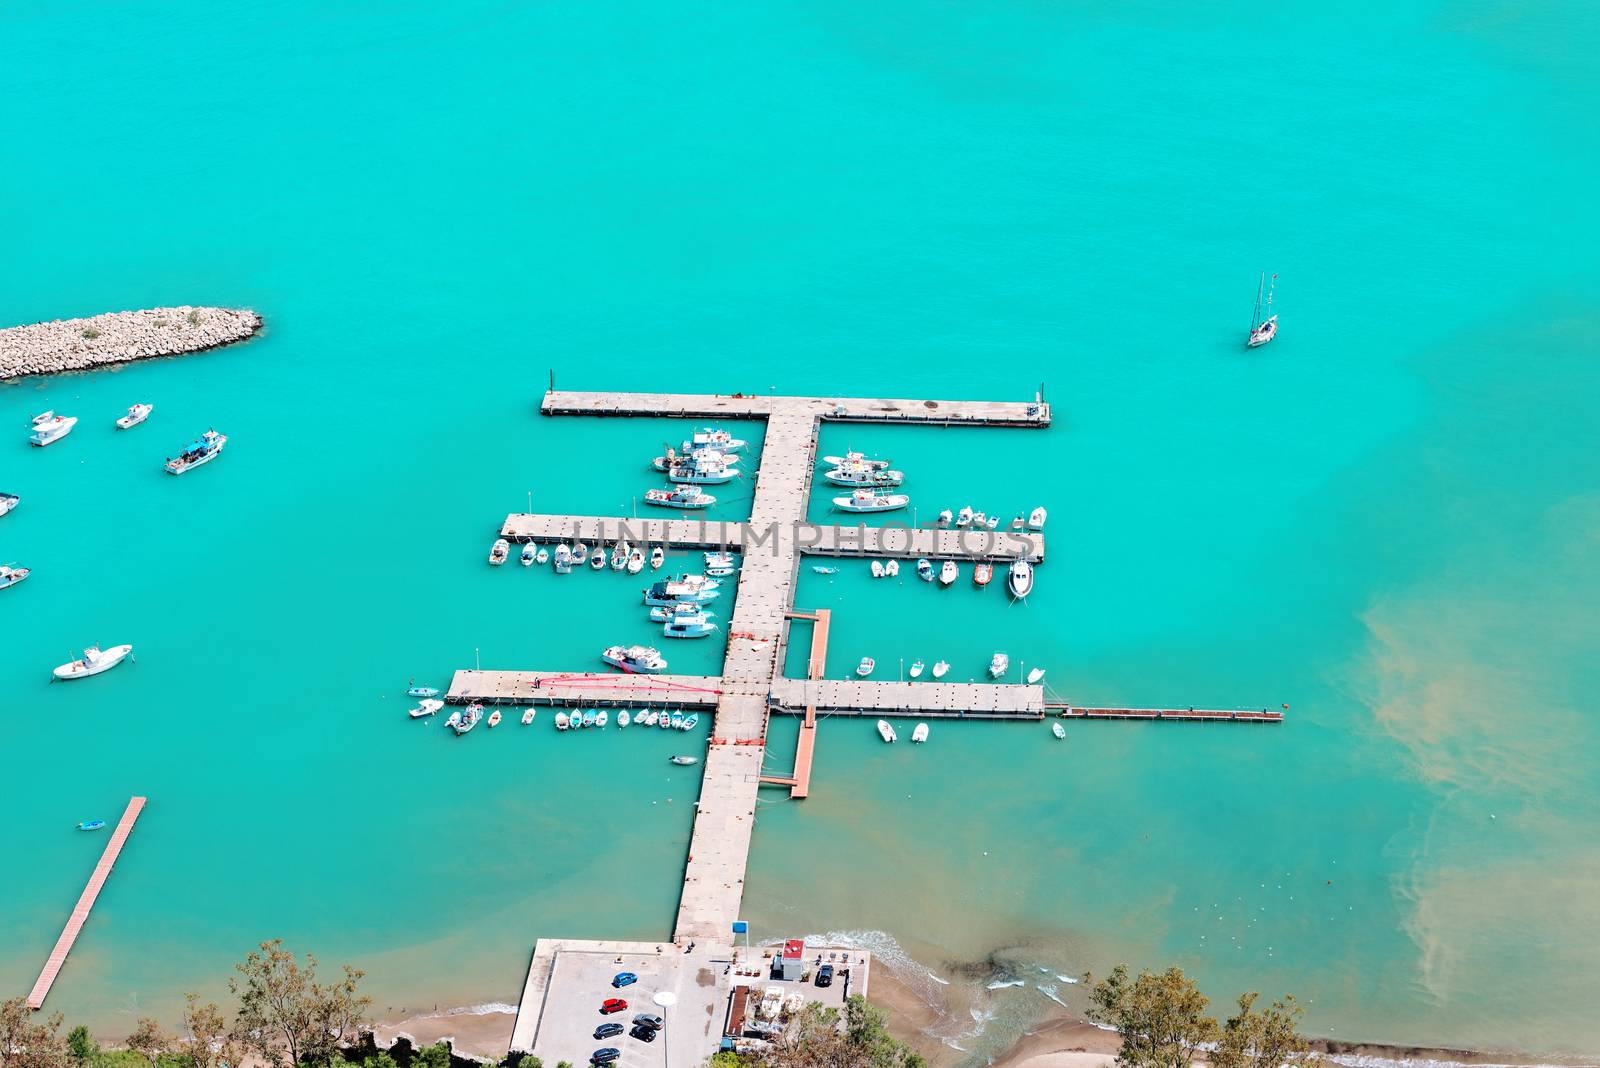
x: 792, y: 965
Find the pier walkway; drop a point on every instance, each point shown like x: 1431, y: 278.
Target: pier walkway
x: 80, y: 913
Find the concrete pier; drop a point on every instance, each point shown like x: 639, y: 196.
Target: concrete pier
x: 118, y: 337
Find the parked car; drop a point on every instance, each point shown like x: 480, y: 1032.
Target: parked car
x: 605, y: 1056
x: 611, y: 1005
x: 622, y: 979
x: 650, y: 1020
x: 607, y: 1030
x: 825, y: 975
x: 643, y: 1033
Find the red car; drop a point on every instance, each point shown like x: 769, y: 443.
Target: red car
x: 611, y: 1005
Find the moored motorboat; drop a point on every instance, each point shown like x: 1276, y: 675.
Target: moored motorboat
x: 690, y: 722
x: 464, y: 719
x: 1035, y: 675
x: 590, y: 718
x: 494, y: 718
x: 999, y: 664
x: 561, y: 721
x: 90, y: 825
x: 201, y: 451
x: 925, y: 570
x: 136, y: 415
x: 1058, y: 730
x: 865, y: 667
x: 917, y: 667
x: 619, y: 556
x: 527, y: 718
x: 601, y: 718
x: 676, y: 720
x: 658, y: 556
x: 685, y: 761
x: 948, y: 572
x: 528, y: 554
x: 1036, y: 519
x: 94, y: 661
x: 580, y: 554
x: 855, y: 459
x: 684, y: 588
x: 563, y: 560
x: 52, y: 430
x: 10, y: 576
x: 662, y: 612
x: 719, y: 564
x: 866, y: 500
x: 712, y: 437
x: 427, y: 707
x: 992, y: 522
x: 664, y: 719
x: 624, y: 718
x: 1019, y: 578
x: 635, y: 561
x: 825, y: 569
x: 9, y: 501
x: 635, y: 659
x: 687, y: 621
x: 982, y: 572
x: 964, y: 517
x: 941, y: 668
x: 597, y: 559
x: 945, y: 517
x: 920, y: 734
x: 877, y: 569
x: 422, y: 691
x: 694, y: 458
x: 679, y: 497
x: 542, y: 556
x: 499, y: 551
x: 860, y: 476
x: 892, y: 568
x: 885, y: 731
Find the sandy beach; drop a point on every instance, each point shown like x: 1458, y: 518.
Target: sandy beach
x: 475, y: 1031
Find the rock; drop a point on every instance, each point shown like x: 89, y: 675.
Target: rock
x: 118, y: 337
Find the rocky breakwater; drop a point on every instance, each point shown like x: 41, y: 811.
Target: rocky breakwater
x: 119, y: 337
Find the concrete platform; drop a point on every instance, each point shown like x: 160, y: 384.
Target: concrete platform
x: 598, y: 689
x: 843, y: 409
x: 845, y: 697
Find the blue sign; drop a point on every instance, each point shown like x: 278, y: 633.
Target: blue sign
x: 740, y: 927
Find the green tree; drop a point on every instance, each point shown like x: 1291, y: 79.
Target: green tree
x: 1161, y: 1018
x: 288, y: 1018
x: 381, y: 1059
x: 434, y: 1056
x: 27, y: 1041
x: 82, y: 1045
x: 149, y: 1041
x: 1268, y: 1038
x: 209, y: 1042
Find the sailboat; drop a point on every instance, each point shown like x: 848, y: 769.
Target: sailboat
x: 1263, y: 322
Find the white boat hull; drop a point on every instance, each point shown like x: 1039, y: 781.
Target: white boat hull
x: 108, y: 659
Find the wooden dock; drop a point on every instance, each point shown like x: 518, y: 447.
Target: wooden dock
x: 80, y: 913
x: 805, y: 745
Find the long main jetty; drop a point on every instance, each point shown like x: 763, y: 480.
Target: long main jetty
x: 119, y: 337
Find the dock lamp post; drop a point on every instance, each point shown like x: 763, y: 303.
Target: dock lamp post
x: 664, y: 1000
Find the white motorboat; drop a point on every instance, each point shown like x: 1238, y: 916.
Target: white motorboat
x: 563, y: 559
x: 1016, y: 522
x: 856, y: 459
x: 679, y: 497
x: 941, y: 668
x: 201, y: 451
x: 494, y: 718
x: 527, y: 718
x: 10, y: 576
x: 687, y: 588
x: 602, y: 718
x: 647, y: 718
x: 136, y: 415
x: 619, y: 556
x: 711, y: 437
x: 690, y: 722
x: 1019, y: 578
x: 662, y: 612
x: 597, y: 559
x: 664, y: 720
x: 964, y: 517
x: 885, y: 731
x: 864, y: 668
x: 463, y: 720
x: 945, y: 518
x: 580, y: 554
x: 9, y: 501
x: 529, y: 552
x: 499, y: 551
x: 685, y: 761
x: 711, y: 473
x: 1036, y: 519
x: 694, y: 458
x: 877, y: 569
x: 925, y: 570
x: 635, y: 659
x: 892, y: 568
x: 993, y: 522
x: 52, y: 430
x: 1034, y: 676
x: 982, y: 572
x: 687, y: 621
x: 43, y: 417
x: 1058, y: 730
x: 917, y: 667
x: 623, y: 719
x: 635, y: 561
x: 1263, y: 322
x: 860, y: 476
x: 542, y: 556
x: 95, y: 660
x: 920, y: 734
x: 999, y: 664
x: 719, y: 564
x: 427, y: 708
x: 658, y: 556
x: 948, y: 572
x: 866, y: 500
x: 562, y: 722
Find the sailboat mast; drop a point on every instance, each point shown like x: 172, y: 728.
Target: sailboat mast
x: 1255, y: 316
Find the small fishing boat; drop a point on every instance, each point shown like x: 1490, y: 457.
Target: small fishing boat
x: 824, y: 569
x: 945, y: 518
x: 941, y: 668
x: 90, y: 825
x: 635, y: 659
x: 563, y: 560
x: 707, y: 472
x: 561, y: 721
x: 920, y: 734
x: 679, y: 497
x: 662, y: 612
x: 494, y: 718
x: 1016, y: 522
x: 590, y: 718
x: 690, y: 722
x: 52, y: 430
x: 676, y: 721
x: 136, y: 415
x: 866, y: 500
x: 94, y: 661
x: 925, y: 570
x: 527, y: 718
x: 1019, y: 578
x: 499, y: 551
x: 658, y: 556
x: 623, y: 718
x: 10, y: 576
x: 1058, y: 730
x: 892, y: 568
x: 647, y: 718
x: 427, y: 707
x: 712, y: 437
x: 964, y: 517
x: 993, y: 522
x: 1263, y: 322
x: 697, y: 588
x: 865, y: 667
x: 719, y: 564
x: 542, y: 556
x: 855, y: 459
x: 685, y: 761
x: 999, y: 664
x: 982, y: 573
x: 1036, y: 519
x: 8, y: 501
x: 601, y: 718
x: 422, y: 691
x: 664, y: 720
x: 619, y: 556
x: 202, y: 451
x: 885, y: 731
x: 860, y: 476
x: 877, y: 569
x: 580, y: 554
x: 463, y: 720
x: 979, y: 520
x: 528, y: 554
x: 597, y: 559
x: 688, y: 621
x: 917, y: 667
x: 694, y: 458
x: 948, y: 572
x: 635, y: 561
x: 1034, y: 676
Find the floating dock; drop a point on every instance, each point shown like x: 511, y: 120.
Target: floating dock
x: 80, y: 914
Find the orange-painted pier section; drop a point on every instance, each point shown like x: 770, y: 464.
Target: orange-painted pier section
x: 799, y: 783
x: 80, y: 914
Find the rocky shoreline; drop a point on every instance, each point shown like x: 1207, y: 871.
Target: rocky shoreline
x: 119, y: 337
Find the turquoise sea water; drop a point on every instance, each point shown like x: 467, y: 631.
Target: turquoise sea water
x: 1387, y: 519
